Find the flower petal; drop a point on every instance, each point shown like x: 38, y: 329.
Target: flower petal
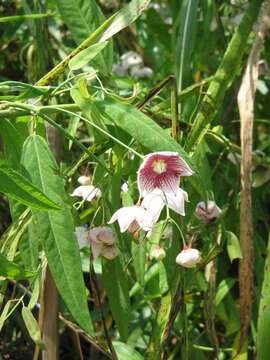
x: 125, y: 217
x: 110, y: 252
x: 87, y: 192
x: 102, y: 234
x: 144, y: 218
x: 154, y: 203
x: 96, y: 248
x: 82, y: 236
x: 177, y: 202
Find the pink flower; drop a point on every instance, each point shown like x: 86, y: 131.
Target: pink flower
x: 188, y: 257
x: 132, y: 218
x: 162, y: 170
x: 84, y: 180
x: 155, y: 201
x: 208, y: 214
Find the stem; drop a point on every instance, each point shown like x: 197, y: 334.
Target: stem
x: 186, y: 342
x: 224, y: 76
x: 174, y: 109
x: 96, y: 295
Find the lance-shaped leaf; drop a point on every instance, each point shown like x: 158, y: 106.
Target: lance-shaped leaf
x: 141, y: 127
x: 13, y: 271
x: 56, y: 229
x: 83, y: 18
x: 16, y: 186
x: 86, y: 55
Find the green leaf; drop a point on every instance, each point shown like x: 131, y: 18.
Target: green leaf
x: 124, y: 351
x: 141, y: 127
x: 223, y: 288
x: 125, y: 17
x: 86, y: 55
x: 83, y: 18
x: 233, y: 246
x: 16, y: 186
x: 139, y: 253
x: 264, y: 312
x: 32, y: 327
x: 184, y: 38
x: 115, y: 283
x: 12, y: 271
x: 56, y: 230
x: 4, y: 314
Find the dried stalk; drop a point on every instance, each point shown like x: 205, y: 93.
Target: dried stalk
x: 96, y: 295
x: 245, y: 99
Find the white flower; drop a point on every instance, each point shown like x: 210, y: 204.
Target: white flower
x: 131, y: 59
x: 124, y: 187
x: 155, y: 201
x: 87, y: 192
x: 84, y: 180
x: 158, y: 253
x: 208, y: 214
x: 132, y: 218
x: 188, y: 257
x: 141, y: 72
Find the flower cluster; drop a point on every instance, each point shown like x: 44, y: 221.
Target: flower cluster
x: 158, y: 183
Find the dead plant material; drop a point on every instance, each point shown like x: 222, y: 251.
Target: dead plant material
x: 245, y: 99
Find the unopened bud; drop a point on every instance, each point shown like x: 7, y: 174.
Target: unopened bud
x: 84, y: 180
x: 188, y: 257
x: 158, y: 253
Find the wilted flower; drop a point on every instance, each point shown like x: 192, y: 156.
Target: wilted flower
x: 155, y: 201
x: 101, y: 240
x: 84, y: 180
x: 132, y: 218
x: 87, y: 192
x: 208, y: 214
x: 162, y: 170
x: 158, y: 253
x: 188, y: 257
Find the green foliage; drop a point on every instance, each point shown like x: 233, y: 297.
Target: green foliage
x: 110, y: 117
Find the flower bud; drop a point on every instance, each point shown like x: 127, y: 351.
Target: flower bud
x: 188, y: 257
x: 158, y: 253
x: 84, y: 180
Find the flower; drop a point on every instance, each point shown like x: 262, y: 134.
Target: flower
x: 162, y: 170
x: 84, y: 180
x: 188, y: 257
x: 158, y: 253
x: 101, y: 239
x: 87, y: 192
x: 124, y: 187
x: 141, y: 72
x: 132, y: 218
x: 131, y: 59
x: 155, y: 201
x: 208, y: 214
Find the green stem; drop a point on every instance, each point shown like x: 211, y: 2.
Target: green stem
x: 223, y: 77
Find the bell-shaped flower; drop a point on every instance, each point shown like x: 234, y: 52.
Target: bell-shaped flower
x: 84, y: 180
x: 131, y: 59
x: 206, y: 215
x: 162, y: 170
x: 158, y: 253
x: 87, y: 192
x: 101, y: 239
x: 188, y: 257
x: 141, y: 72
x: 132, y: 218
x: 155, y: 201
